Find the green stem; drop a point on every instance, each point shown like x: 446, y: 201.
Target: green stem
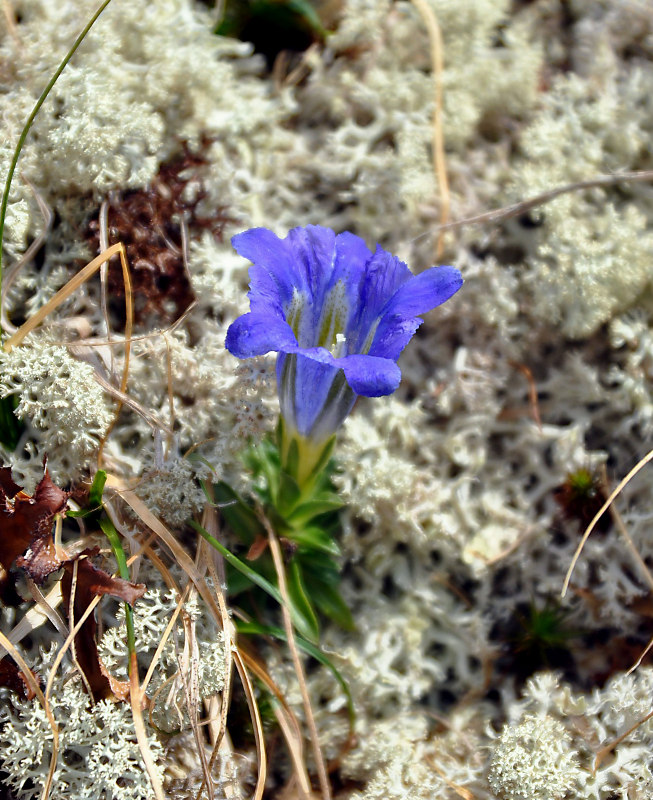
x: 119, y: 554
x: 32, y: 117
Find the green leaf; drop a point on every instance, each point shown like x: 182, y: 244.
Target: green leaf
x: 300, y: 600
x: 11, y: 428
x: 314, y: 538
x: 119, y: 554
x: 319, y: 503
x: 95, y: 493
x: 289, y: 494
x: 303, y: 625
x: 330, y: 602
x: 97, y: 489
x: 256, y: 629
x: 239, y: 516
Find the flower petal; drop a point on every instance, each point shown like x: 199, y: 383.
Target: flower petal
x: 399, y: 319
x: 384, y: 275
x: 255, y: 334
x: 273, y: 270
x: 305, y: 394
x: 425, y: 291
x: 313, y: 251
x: 371, y: 376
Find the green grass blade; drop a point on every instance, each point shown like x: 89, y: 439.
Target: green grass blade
x: 119, y: 554
x: 255, y: 628
x: 32, y: 117
x: 302, y: 625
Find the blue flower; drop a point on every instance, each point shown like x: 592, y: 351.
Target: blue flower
x: 337, y: 314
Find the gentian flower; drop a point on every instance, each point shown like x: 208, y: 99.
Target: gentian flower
x: 337, y: 314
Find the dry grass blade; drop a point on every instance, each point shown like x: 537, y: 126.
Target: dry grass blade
x: 210, y: 523
x: 188, y: 671
x: 65, y: 292
x: 439, y: 161
x: 614, y: 494
x: 258, y: 726
x: 275, y: 550
x: 47, y: 610
x: 155, y: 525
x: 34, y: 618
x: 43, y: 699
x: 13, y: 271
x: 517, y: 209
x: 124, y: 399
x: 608, y: 748
x: 287, y: 722
x: 10, y: 21
x: 67, y: 643
x: 616, y: 516
x: 135, y: 696
x: 164, y: 639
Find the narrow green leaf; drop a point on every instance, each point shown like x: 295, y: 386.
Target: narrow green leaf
x: 302, y: 624
x: 256, y: 629
x: 314, y: 538
x: 97, y: 489
x: 300, y: 600
x: 320, y: 503
x: 94, y: 505
x: 119, y: 554
x: 239, y: 516
x: 329, y: 601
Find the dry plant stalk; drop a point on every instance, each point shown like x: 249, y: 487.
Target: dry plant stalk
x: 613, y: 495
x: 275, y: 550
x: 517, y: 209
x: 288, y: 723
x: 439, y: 160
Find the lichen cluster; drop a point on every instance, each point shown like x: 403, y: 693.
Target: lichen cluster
x: 455, y: 516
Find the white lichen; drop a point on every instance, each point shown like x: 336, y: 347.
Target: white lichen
x: 64, y: 407
x: 534, y: 761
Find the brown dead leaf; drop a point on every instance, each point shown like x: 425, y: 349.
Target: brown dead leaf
x: 12, y: 678
x: 26, y: 523
x: 91, y: 582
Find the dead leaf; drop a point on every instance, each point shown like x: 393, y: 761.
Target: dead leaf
x: 26, y: 522
x: 91, y: 582
x: 12, y: 678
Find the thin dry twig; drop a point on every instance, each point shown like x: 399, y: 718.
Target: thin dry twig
x: 615, y: 493
x: 275, y: 549
x: 616, y: 516
x: 516, y: 209
x: 608, y: 748
x: 532, y: 391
